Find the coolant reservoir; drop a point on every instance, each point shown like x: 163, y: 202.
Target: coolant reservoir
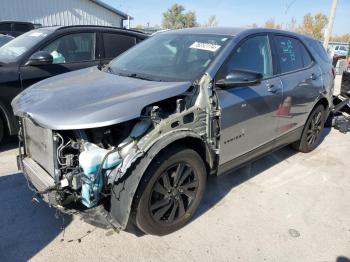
x: 91, y: 158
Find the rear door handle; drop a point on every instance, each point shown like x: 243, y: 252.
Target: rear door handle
x: 313, y: 76
x: 271, y: 88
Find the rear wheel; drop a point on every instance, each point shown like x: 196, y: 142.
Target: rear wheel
x: 312, y: 132
x: 1, y: 130
x: 171, y: 191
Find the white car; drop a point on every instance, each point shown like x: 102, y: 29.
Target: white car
x: 340, y: 50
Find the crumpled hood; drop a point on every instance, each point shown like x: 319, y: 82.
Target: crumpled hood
x: 90, y: 98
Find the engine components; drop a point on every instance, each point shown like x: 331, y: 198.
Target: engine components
x: 92, y: 160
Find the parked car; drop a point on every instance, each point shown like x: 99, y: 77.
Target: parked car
x: 45, y: 52
x: 15, y: 28
x: 340, y: 50
x: 5, y: 39
x: 136, y: 140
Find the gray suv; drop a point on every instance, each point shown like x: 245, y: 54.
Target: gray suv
x: 136, y: 139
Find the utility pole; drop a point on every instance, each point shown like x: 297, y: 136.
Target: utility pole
x: 328, y: 32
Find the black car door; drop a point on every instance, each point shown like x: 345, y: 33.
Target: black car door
x: 70, y: 52
x: 114, y: 44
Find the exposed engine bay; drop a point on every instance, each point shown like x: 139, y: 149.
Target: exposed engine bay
x: 88, y: 163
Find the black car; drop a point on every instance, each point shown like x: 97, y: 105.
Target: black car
x: 5, y: 39
x: 15, y: 28
x: 49, y: 51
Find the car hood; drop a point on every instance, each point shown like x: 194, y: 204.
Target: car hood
x: 90, y: 98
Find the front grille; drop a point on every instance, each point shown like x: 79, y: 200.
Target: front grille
x: 39, y: 145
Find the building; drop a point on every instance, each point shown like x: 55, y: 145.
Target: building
x: 62, y: 12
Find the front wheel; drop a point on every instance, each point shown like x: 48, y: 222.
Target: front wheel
x: 312, y: 132
x: 170, y: 192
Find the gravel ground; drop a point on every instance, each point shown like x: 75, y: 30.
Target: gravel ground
x: 287, y: 206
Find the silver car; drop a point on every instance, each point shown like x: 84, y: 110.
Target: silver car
x: 136, y: 140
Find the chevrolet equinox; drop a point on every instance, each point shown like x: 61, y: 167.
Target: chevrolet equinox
x: 135, y: 140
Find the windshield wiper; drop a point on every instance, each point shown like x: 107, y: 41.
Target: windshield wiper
x: 134, y: 75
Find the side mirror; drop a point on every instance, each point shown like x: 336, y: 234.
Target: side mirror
x: 40, y: 58
x: 240, y: 78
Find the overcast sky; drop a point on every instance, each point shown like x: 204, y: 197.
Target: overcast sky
x: 236, y: 12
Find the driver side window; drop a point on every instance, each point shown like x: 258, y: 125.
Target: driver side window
x: 252, y: 55
x: 72, y: 48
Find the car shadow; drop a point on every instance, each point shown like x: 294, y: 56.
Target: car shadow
x: 219, y: 186
x: 342, y: 259
x: 26, y: 227
x: 8, y: 143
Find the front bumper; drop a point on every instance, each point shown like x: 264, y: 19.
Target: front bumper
x: 36, y: 175
x: 43, y: 182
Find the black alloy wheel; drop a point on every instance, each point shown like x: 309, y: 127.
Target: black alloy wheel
x: 173, y: 193
x: 170, y: 191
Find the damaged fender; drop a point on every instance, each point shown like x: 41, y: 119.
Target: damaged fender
x: 123, y: 192
x: 201, y: 122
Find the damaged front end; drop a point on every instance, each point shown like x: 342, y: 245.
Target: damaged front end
x: 86, y: 169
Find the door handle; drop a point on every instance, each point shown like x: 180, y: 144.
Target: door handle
x: 271, y: 88
x: 313, y: 76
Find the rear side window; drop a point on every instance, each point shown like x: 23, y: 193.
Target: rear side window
x: 307, y: 60
x: 318, y: 48
x: 115, y: 44
x: 289, y: 54
x: 5, y: 27
x: 22, y: 27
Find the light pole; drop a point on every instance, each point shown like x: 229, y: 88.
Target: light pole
x: 328, y: 32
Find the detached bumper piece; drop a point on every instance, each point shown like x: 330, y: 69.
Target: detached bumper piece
x: 340, y: 117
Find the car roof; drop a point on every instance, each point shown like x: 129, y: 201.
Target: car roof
x: 14, y: 22
x: 231, y: 31
x: 57, y: 28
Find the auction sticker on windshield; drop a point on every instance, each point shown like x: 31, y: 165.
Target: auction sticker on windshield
x: 205, y: 46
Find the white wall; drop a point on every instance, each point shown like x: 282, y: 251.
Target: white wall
x: 58, y: 12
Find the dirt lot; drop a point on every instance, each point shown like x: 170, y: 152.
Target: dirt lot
x: 285, y: 207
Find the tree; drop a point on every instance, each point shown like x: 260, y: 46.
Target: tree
x: 212, y: 22
x: 271, y: 24
x: 139, y: 27
x: 175, y: 18
x: 292, y: 25
x: 313, y: 25
x: 341, y: 38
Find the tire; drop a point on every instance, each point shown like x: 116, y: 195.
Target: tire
x: 1, y: 130
x: 312, y: 132
x: 163, y: 205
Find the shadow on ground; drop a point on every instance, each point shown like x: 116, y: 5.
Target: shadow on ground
x: 342, y: 259
x: 25, y: 227
x: 219, y: 186
x: 8, y: 143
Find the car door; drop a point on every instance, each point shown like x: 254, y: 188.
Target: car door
x: 114, y: 44
x: 248, y: 112
x: 70, y: 52
x: 301, y: 79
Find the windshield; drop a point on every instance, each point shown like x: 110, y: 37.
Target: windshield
x: 170, y: 57
x: 11, y: 51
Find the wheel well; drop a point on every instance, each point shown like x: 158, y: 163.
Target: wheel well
x: 323, y: 101
x: 4, y: 122
x: 197, y: 145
